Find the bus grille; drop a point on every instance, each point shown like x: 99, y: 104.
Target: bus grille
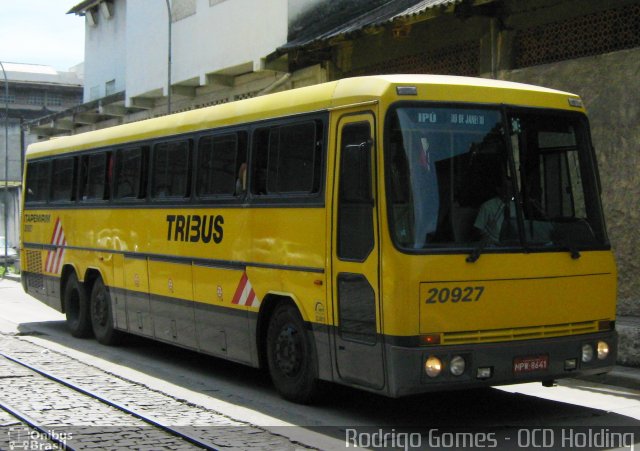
x: 520, y: 333
x: 34, y: 269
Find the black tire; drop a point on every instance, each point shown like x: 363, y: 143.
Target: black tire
x: 102, y: 316
x: 76, y: 308
x: 291, y: 356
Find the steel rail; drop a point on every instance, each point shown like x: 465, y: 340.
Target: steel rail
x: 145, y: 418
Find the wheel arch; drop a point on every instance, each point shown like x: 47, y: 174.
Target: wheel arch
x: 90, y: 276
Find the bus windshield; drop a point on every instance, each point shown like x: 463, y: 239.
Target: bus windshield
x: 462, y: 177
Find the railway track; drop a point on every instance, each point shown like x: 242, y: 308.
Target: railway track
x: 51, y: 401
x: 60, y: 438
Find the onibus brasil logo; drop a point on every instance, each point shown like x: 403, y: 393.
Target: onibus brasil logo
x: 24, y: 438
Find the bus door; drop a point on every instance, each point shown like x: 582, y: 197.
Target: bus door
x: 356, y: 300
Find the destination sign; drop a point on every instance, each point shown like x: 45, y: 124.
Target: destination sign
x: 454, y: 118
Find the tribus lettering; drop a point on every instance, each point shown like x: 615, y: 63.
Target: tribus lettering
x: 195, y: 228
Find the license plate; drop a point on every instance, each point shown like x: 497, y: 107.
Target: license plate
x: 530, y: 364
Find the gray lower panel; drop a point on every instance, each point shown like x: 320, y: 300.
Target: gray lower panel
x: 119, y: 308
x: 46, y: 289
x: 224, y: 332
x: 173, y: 321
x: 320, y: 335
x: 139, y: 319
x: 214, y: 330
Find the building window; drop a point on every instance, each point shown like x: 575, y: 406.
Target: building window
x: 181, y: 9
x: 54, y: 100
x: 35, y: 99
x: 10, y: 99
x: 110, y: 87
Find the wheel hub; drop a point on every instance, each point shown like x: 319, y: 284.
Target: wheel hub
x: 100, y: 309
x: 288, y: 351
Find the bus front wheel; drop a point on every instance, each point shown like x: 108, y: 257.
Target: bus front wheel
x: 291, y: 356
x: 101, y: 315
x: 76, y: 308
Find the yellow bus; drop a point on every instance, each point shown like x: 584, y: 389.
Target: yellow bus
x: 400, y: 234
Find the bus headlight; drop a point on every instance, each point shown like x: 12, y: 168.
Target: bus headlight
x: 603, y: 350
x: 433, y: 366
x: 587, y: 353
x: 457, y: 365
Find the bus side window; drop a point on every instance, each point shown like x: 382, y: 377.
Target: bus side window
x: 240, y: 187
x: 291, y: 158
x: 287, y: 159
x: 259, y: 160
x: 130, y: 168
x: 63, y: 178
x: 95, y: 174
x: 221, y: 168
x: 38, y: 176
x: 355, y: 198
x: 171, y: 170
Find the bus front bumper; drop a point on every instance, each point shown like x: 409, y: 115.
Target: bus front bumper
x: 501, y: 363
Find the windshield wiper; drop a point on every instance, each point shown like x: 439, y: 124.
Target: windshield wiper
x: 562, y: 239
x: 566, y: 245
x: 477, y: 251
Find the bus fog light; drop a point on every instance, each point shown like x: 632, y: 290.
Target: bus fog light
x: 457, y: 365
x: 433, y: 366
x: 587, y: 353
x: 570, y: 364
x: 484, y: 373
x: 603, y: 350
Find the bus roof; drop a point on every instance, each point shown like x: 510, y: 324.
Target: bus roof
x: 321, y: 97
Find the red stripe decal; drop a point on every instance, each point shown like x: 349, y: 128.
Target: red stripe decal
x: 240, y: 289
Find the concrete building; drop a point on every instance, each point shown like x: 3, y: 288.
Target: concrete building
x: 34, y: 91
x: 219, y: 51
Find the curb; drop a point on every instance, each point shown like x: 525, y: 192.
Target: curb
x: 619, y: 376
x: 14, y: 277
x: 626, y: 373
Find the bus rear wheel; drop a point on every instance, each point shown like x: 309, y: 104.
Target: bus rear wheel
x: 291, y: 356
x: 101, y: 315
x: 76, y: 308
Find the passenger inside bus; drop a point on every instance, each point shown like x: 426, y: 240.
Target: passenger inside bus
x: 241, y: 181
x: 490, y: 224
